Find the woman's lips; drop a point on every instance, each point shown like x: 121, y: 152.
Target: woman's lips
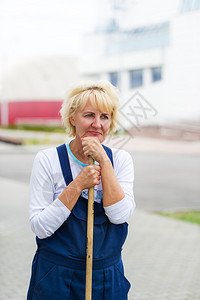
x: 95, y: 132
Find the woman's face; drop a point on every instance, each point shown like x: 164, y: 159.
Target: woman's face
x: 91, y: 122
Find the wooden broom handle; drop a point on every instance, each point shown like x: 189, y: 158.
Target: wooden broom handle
x: 89, y: 250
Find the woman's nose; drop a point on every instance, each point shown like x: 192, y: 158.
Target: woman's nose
x: 96, y: 122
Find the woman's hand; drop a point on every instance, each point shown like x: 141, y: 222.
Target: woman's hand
x: 92, y: 146
x: 88, y: 177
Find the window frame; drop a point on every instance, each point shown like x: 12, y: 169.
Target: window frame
x: 114, y: 80
x: 139, y: 79
x: 154, y: 76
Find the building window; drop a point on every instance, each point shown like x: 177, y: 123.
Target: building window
x: 114, y: 78
x: 136, y: 78
x: 189, y: 5
x: 156, y: 74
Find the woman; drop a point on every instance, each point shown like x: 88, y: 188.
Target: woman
x: 59, y: 187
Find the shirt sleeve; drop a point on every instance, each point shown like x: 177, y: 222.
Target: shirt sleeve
x: 121, y: 211
x: 46, y: 213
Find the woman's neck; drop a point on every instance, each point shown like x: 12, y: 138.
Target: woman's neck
x: 77, y: 150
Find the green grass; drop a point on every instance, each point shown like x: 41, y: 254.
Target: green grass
x: 188, y: 216
x: 45, y: 128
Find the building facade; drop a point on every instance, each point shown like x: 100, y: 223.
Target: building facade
x: 160, y: 62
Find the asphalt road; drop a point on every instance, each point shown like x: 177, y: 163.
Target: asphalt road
x: 162, y: 181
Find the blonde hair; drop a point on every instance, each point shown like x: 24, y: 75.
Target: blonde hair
x: 102, y: 95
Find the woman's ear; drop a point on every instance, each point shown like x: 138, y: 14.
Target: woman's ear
x: 72, y: 121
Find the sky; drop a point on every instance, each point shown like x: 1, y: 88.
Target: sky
x: 36, y: 27
x: 57, y: 27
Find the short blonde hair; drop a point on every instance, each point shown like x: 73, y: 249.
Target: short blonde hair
x: 103, y: 96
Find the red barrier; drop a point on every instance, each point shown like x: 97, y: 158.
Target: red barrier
x: 37, y: 112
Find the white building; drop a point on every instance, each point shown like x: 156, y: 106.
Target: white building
x: 160, y: 62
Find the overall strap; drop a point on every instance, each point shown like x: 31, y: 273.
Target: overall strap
x: 65, y: 165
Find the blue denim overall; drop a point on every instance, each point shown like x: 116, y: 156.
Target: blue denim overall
x: 59, y: 265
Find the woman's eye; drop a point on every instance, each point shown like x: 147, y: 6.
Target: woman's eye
x: 104, y: 116
x: 89, y: 115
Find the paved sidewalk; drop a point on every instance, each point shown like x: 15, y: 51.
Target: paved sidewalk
x: 162, y: 258
x: 161, y: 255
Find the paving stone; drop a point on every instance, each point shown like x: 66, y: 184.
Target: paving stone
x: 162, y: 258
x: 161, y: 255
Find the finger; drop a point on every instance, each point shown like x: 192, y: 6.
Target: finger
x: 89, y: 138
x: 87, y: 141
x: 88, y: 152
x: 97, y: 167
x: 97, y: 181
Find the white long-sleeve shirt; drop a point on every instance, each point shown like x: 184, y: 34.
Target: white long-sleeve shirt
x: 48, y: 213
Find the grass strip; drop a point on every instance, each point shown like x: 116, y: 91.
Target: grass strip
x: 45, y: 128
x: 188, y: 216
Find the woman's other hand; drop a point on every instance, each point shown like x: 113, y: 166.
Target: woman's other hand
x: 88, y: 177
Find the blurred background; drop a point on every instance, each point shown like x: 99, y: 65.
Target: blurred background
x: 139, y: 45
x: 148, y: 49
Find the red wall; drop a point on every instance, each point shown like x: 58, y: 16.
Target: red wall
x: 33, y: 111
